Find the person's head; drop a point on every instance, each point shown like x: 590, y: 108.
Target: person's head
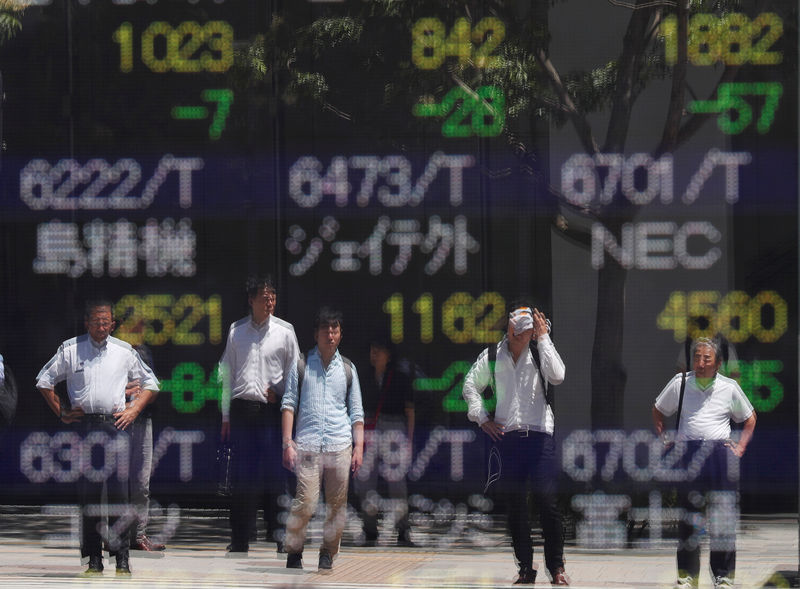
x: 706, y: 357
x: 260, y: 297
x: 99, y: 319
x: 380, y: 353
x: 328, y: 331
x: 520, y: 330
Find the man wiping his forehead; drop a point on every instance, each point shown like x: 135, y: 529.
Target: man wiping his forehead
x: 522, y: 432
x: 522, y: 319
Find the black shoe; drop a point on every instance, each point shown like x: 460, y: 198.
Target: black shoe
x: 238, y: 548
x: 123, y: 567
x: 527, y: 576
x: 95, y: 566
x: 294, y: 561
x: 281, y: 547
x: 325, y: 561
x: 404, y: 539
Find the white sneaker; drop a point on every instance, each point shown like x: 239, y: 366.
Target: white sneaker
x: 723, y: 583
x: 686, y: 582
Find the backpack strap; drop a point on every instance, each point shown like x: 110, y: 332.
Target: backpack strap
x: 680, y: 402
x: 301, y: 373
x: 548, y: 390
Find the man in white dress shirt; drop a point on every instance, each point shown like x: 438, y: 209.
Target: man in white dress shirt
x: 522, y: 430
x: 260, y: 352
x: 710, y: 401
x: 97, y: 368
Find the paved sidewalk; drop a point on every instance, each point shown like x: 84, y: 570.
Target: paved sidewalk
x: 197, y: 558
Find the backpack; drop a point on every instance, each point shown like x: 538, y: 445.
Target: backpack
x: 548, y: 388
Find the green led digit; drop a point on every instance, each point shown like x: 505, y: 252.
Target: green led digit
x: 187, y: 385
x: 223, y: 98
x: 758, y: 376
x: 491, y: 106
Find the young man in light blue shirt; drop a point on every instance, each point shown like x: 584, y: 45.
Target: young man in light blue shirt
x: 323, y: 397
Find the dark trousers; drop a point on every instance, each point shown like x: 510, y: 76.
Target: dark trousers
x: 708, y: 489
x: 530, y: 457
x: 257, y: 471
x: 109, y: 460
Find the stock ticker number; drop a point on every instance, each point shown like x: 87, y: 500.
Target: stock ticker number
x: 468, y: 111
x: 432, y: 45
x: 736, y: 315
x: 732, y: 39
x: 465, y: 319
x: 187, y: 48
x: 159, y: 319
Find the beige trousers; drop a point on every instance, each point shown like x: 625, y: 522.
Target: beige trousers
x: 314, y: 469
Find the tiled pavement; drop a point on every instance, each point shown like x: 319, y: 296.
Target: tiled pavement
x: 196, y: 557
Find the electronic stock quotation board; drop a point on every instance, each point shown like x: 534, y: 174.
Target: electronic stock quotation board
x: 417, y: 165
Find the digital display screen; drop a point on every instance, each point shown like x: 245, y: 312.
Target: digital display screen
x: 418, y: 165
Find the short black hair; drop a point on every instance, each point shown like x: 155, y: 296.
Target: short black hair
x: 258, y: 282
x: 382, y: 341
x: 328, y: 316
x: 93, y: 304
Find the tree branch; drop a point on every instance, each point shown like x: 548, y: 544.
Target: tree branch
x: 582, y: 127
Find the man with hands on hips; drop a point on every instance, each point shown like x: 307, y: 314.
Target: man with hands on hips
x: 706, y: 402
x: 97, y: 368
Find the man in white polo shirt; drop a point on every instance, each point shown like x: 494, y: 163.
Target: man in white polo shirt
x: 97, y: 368
x: 706, y: 402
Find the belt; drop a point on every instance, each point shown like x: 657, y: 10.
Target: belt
x: 100, y: 417
x: 524, y: 432
x: 250, y: 405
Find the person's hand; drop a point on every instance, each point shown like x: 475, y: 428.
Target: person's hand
x: 72, y: 415
x: 133, y: 389
x: 737, y: 449
x: 290, y: 457
x: 127, y: 417
x: 225, y: 431
x: 272, y: 396
x: 493, y: 429
x: 539, y: 324
x: 358, y: 458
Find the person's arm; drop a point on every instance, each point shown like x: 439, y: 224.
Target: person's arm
x: 475, y: 381
x: 552, y: 365
x: 226, y: 382
x: 132, y: 410
x: 358, y: 446
x: 52, y: 400
x: 739, y: 447
x: 289, y: 404
x: 289, y: 447
x: 52, y: 373
x: 658, y: 420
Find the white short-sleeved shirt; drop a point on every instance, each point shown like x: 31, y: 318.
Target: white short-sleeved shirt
x: 96, y: 374
x: 706, y: 414
x: 256, y: 357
